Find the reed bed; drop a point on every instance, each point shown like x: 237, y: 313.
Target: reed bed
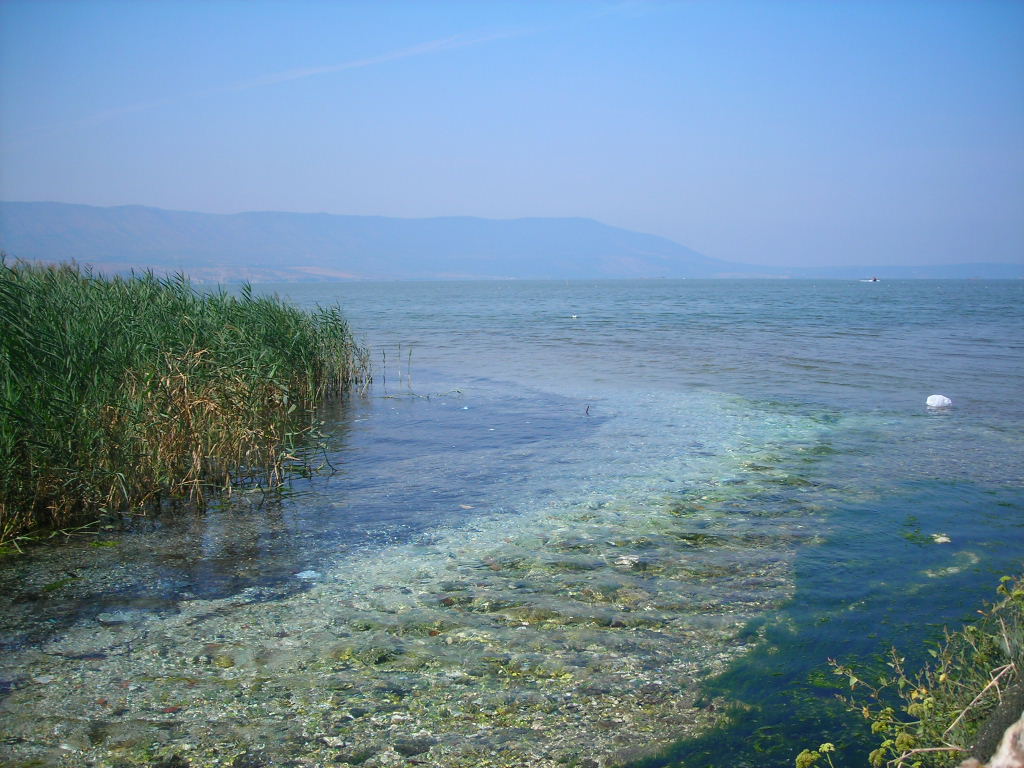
x: 117, y: 393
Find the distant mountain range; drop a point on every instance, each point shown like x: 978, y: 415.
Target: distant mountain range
x: 269, y: 246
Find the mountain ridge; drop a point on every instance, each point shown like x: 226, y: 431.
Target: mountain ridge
x: 282, y: 246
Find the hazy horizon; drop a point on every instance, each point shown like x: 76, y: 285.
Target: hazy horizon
x: 797, y: 134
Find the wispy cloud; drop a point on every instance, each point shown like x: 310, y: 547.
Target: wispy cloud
x: 110, y: 114
x: 421, y: 49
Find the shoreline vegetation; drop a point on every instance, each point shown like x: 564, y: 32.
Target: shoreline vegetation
x: 121, y: 393
x: 952, y: 711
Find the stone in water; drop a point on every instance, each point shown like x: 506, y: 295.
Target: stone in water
x: 938, y: 401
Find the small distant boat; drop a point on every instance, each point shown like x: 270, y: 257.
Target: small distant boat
x: 872, y: 280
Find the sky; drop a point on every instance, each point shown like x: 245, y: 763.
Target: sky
x: 784, y: 133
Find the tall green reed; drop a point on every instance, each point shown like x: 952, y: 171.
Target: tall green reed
x: 117, y: 392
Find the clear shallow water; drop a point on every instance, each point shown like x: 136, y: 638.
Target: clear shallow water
x: 597, y: 517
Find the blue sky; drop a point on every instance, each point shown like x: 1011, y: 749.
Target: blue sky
x: 789, y: 133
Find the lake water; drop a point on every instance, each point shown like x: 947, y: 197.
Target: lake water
x: 572, y: 523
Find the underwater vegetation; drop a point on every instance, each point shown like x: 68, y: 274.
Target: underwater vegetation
x: 116, y: 393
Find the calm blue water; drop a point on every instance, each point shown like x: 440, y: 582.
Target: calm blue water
x: 703, y: 488
x: 837, y: 370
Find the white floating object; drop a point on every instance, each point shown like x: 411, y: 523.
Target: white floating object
x: 938, y: 401
x: 307, y: 575
x: 941, y: 538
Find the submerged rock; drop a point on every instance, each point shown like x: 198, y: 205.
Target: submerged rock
x: 413, y: 745
x: 174, y: 761
x: 252, y: 759
x: 119, y: 618
x: 356, y: 755
x: 223, y: 660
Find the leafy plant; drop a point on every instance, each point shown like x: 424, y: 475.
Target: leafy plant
x: 932, y: 718
x: 810, y: 758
